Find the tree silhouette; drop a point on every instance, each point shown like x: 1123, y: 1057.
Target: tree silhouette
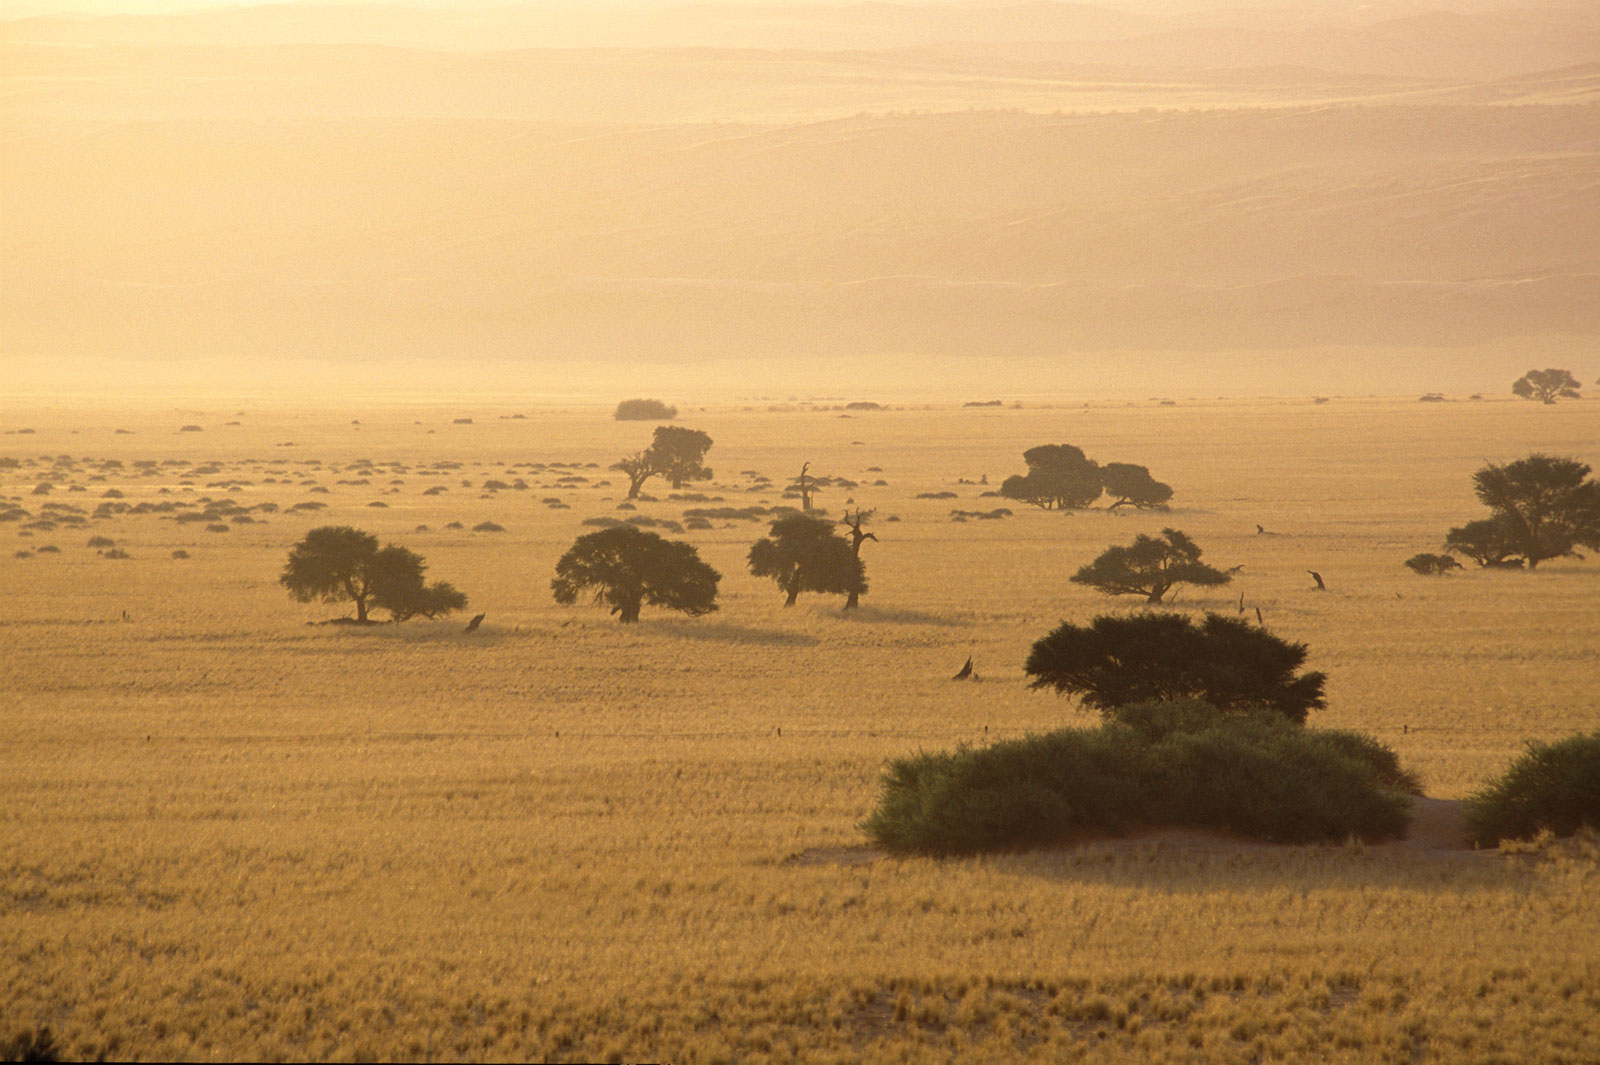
x: 1432, y: 565
x: 803, y: 554
x: 1490, y: 542
x: 1149, y: 567
x: 638, y: 469
x: 1228, y: 663
x: 1546, y: 506
x: 1133, y: 486
x: 1059, y: 476
x: 627, y: 567
x: 1547, y: 386
x: 335, y: 563
x: 857, y: 537
x: 644, y: 410
x: 678, y: 454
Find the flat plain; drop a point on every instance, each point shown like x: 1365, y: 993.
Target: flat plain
x: 229, y: 832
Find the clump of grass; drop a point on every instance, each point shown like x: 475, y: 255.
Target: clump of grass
x: 1553, y: 787
x: 1177, y: 763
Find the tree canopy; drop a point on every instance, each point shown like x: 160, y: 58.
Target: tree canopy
x: 644, y: 410
x: 336, y: 563
x: 1544, y: 507
x: 678, y: 454
x: 1132, y: 485
x: 626, y: 567
x: 1547, y: 386
x: 803, y: 554
x: 1150, y: 566
x: 1060, y: 476
x: 1228, y: 663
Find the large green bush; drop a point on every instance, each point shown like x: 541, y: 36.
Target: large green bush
x: 1553, y: 787
x: 1178, y: 762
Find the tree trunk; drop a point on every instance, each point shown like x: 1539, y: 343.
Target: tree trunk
x: 634, y: 484
x: 854, y: 600
x: 1157, y: 592
x: 794, y: 592
x: 361, y: 609
x: 628, y: 612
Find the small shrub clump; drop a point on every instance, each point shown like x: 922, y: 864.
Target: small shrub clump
x: 1177, y: 763
x: 1553, y: 787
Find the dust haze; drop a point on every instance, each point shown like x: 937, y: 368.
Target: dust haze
x: 724, y: 201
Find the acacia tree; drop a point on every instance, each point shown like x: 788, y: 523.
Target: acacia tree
x: 803, y: 554
x: 678, y: 454
x: 1543, y: 506
x: 335, y: 563
x: 1060, y: 476
x: 1150, y: 566
x: 1490, y: 542
x: 1133, y: 486
x: 857, y: 537
x: 1547, y: 386
x: 638, y: 470
x: 1234, y: 666
x: 627, y: 567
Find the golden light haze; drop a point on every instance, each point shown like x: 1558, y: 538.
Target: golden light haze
x: 743, y: 200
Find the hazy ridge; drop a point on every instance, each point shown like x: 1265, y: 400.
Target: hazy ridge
x: 868, y: 181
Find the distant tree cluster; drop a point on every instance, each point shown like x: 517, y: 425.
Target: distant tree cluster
x: 1062, y: 477
x: 1541, y: 507
x: 644, y: 410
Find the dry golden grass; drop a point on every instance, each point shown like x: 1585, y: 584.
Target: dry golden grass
x: 228, y: 834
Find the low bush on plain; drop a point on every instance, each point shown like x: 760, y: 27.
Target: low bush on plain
x: 1553, y: 787
x: 1164, y: 763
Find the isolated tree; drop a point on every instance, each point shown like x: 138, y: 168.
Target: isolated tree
x: 679, y: 454
x: 335, y: 563
x: 644, y: 410
x: 1428, y: 565
x: 1150, y: 566
x: 638, y: 469
x: 857, y: 538
x: 1133, y: 486
x: 1547, y: 386
x: 1548, y: 506
x: 1226, y: 662
x: 1060, y: 476
x: 626, y: 567
x: 803, y: 554
x: 806, y: 485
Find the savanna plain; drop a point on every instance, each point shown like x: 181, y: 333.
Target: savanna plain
x: 230, y: 832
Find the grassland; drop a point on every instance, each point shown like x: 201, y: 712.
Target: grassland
x: 228, y: 833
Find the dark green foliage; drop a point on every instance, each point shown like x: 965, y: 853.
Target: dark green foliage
x: 626, y: 567
x: 1553, y: 787
x: 1544, y: 506
x: 1191, y: 767
x: 1132, y: 485
x: 1117, y: 661
x: 336, y: 563
x: 1490, y: 542
x: 1150, y: 566
x: 1547, y: 385
x: 1059, y: 476
x: 644, y: 410
x: 1428, y: 565
x: 803, y: 554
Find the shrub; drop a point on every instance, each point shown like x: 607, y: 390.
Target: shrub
x: 1428, y: 565
x: 1177, y: 763
x: 1553, y: 787
x: 102, y: 541
x: 644, y: 410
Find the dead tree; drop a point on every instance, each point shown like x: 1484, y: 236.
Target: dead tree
x: 1318, y: 578
x: 854, y: 524
x: 806, y: 486
x: 966, y: 670
x: 472, y: 626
